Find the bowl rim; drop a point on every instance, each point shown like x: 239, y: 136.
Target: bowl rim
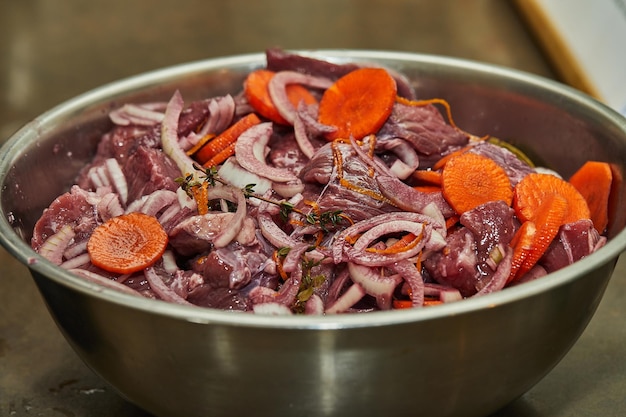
x: 39, y: 265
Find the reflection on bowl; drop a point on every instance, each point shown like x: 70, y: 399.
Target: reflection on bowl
x: 464, y: 359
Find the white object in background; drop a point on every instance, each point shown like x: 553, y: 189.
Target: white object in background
x: 586, y: 39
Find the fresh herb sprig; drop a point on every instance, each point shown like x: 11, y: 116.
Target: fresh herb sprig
x: 325, y: 220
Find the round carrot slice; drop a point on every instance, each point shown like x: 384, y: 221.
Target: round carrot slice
x: 534, y: 189
x: 470, y: 180
x: 257, y: 94
x: 127, y: 243
x: 593, y: 181
x: 358, y: 103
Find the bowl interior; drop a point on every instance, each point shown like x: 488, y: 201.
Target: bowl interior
x: 556, y: 126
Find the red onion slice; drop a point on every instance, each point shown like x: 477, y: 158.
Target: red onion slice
x: 104, y: 281
x: 413, y: 278
x: 272, y: 309
x: 302, y: 137
x: 314, y: 305
x: 169, y: 137
x: 159, y: 287
x: 250, y: 153
x: 118, y: 179
x: 52, y: 249
x: 137, y: 114
x: 347, y: 299
x: 234, y: 195
x: 278, y: 90
x: 374, y: 284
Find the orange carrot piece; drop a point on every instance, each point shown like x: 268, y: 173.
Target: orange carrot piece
x: 405, y: 243
x: 221, y: 156
x: 127, y: 243
x: 547, y: 223
x: 470, y: 180
x: 203, y: 141
x: 522, y: 244
x: 201, y: 195
x: 226, y: 138
x: 593, y: 181
x: 427, y: 188
x: 534, y: 189
x: 427, y: 176
x: 358, y: 103
x: 444, y: 159
x: 452, y: 221
x: 402, y: 304
x: 257, y: 94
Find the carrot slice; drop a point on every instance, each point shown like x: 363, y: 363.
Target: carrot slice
x: 127, y: 243
x: 358, y: 103
x: 227, y: 137
x: 444, y: 160
x: 593, y: 181
x: 522, y: 244
x: 201, y: 195
x: 406, y: 242
x: 534, y: 189
x: 470, y: 180
x: 257, y: 94
x: 546, y: 224
x: 221, y: 156
x: 203, y: 141
x: 427, y: 188
x: 427, y: 176
x: 402, y: 304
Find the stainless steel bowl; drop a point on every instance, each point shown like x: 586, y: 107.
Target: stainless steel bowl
x: 464, y: 359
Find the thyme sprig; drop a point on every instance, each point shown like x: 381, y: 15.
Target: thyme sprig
x: 326, y: 220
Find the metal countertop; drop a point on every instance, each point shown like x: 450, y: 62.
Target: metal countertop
x: 52, y: 50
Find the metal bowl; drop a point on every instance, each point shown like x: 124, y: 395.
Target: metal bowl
x: 463, y: 359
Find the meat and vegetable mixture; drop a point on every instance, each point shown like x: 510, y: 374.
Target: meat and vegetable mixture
x: 319, y: 188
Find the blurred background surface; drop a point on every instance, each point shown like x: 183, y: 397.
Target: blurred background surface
x: 52, y: 50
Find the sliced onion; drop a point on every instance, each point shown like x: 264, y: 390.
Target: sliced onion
x: 234, y: 195
x: 169, y: 137
x: 288, y: 189
x: 446, y: 294
x: 371, y: 162
x: 137, y: 114
x: 76, y: 261
x: 103, y: 281
x: 250, y: 154
x: 358, y: 228
x: 221, y: 112
x: 352, y: 296
x: 118, y: 179
x: 302, y: 137
x: 234, y: 174
x: 157, y: 201
x: 278, y: 90
x: 358, y: 253
x: 501, y: 276
x: 169, y: 262
x: 109, y: 206
x: 413, y: 278
x: 314, y: 305
x: 294, y: 257
x: 376, y: 285
x: 407, y: 162
x: 75, y: 250
x: 272, y: 309
x: 159, y: 287
x: 274, y: 234
x: 52, y: 249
